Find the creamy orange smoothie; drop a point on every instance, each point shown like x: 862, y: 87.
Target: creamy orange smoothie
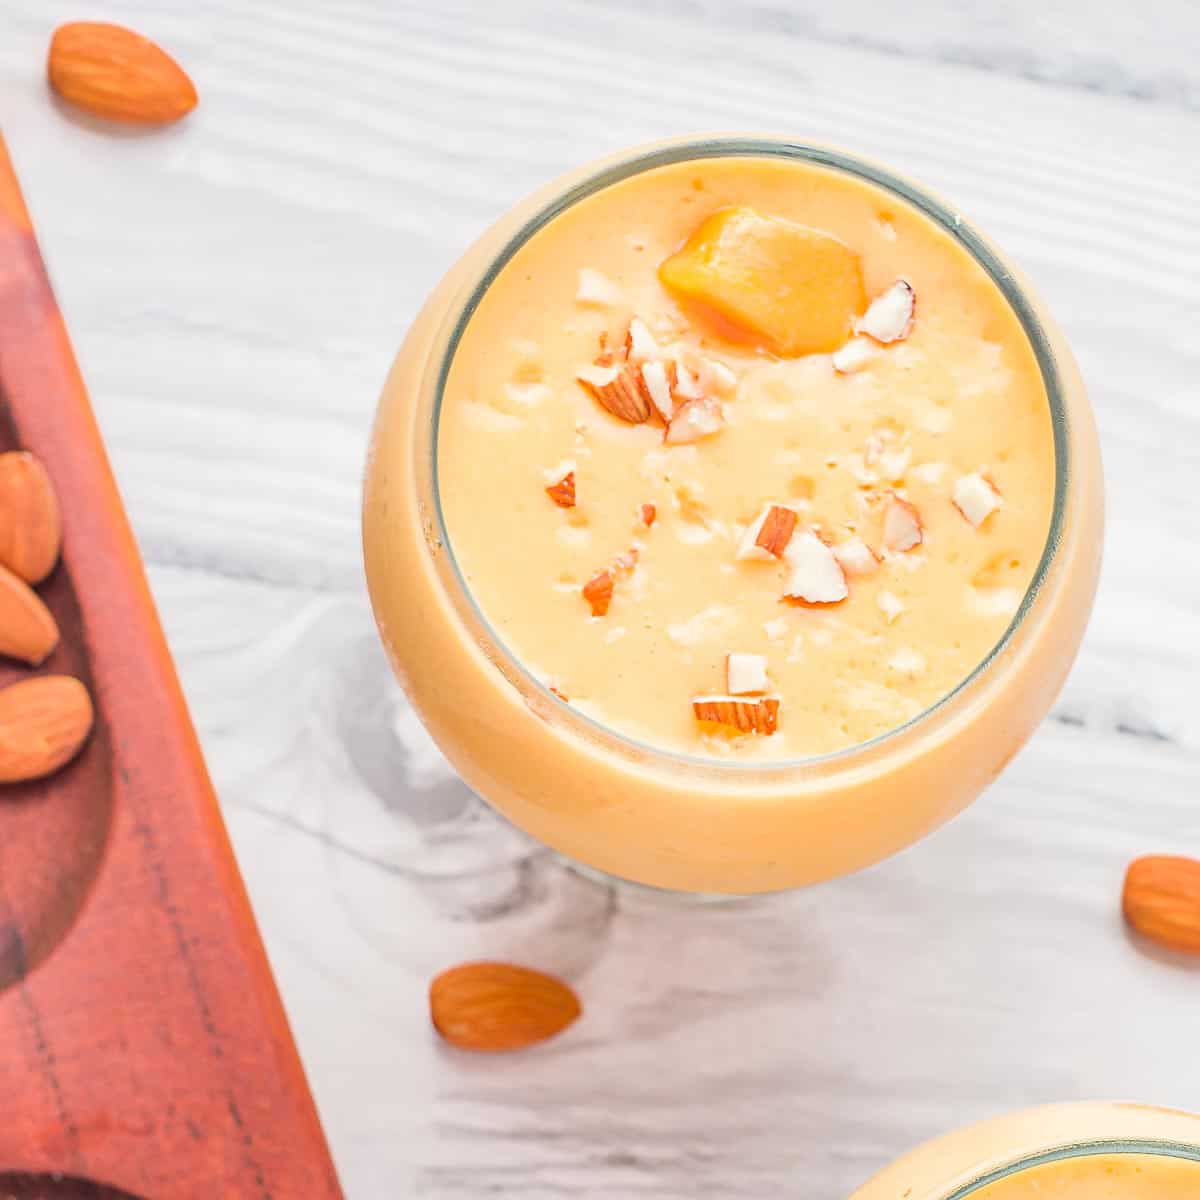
x: 1101, y: 1177
x: 712, y: 459
x: 746, y: 459
x: 1084, y: 1151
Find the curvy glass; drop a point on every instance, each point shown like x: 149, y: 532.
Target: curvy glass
x: 656, y: 816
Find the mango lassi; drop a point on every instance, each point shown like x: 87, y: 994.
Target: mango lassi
x: 1101, y: 1177
x: 709, y: 460
x: 1085, y: 1151
x: 745, y: 459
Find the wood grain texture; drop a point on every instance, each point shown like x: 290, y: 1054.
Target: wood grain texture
x: 144, y: 1043
x: 236, y: 289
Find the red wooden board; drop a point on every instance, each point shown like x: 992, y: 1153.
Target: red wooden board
x: 143, y: 1046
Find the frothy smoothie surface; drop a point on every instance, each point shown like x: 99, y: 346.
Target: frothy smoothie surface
x: 1101, y: 1177
x: 746, y: 458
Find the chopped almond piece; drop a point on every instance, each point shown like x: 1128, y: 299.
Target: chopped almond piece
x: 854, y: 355
x: 816, y: 576
x: 745, y: 673
x: 619, y: 390
x: 648, y: 513
x: 698, y: 375
x: 658, y: 388
x: 767, y: 536
x: 640, y: 345
x: 890, y: 315
x: 598, y: 289
x: 902, y: 528
x: 856, y: 557
x: 684, y: 383
x: 695, y: 419
x: 717, y: 377
x: 776, y: 530
x: 890, y: 605
x: 598, y: 592
x: 759, y: 715
x: 976, y: 498
x: 563, y: 492
x: 624, y: 563
x: 794, y: 288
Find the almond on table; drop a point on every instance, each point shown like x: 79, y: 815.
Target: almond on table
x: 796, y: 449
x: 113, y: 72
x: 493, y: 1006
x: 1161, y: 900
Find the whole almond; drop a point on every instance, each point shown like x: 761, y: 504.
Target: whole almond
x: 1161, y: 900
x: 113, y: 72
x: 30, y: 525
x: 44, y: 723
x: 28, y: 631
x: 496, y: 1006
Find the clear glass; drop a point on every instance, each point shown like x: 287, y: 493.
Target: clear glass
x: 556, y: 750
x: 963, y: 1163
x: 1176, y: 1150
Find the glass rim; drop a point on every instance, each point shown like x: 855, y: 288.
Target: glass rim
x: 637, y: 161
x: 1149, y: 1147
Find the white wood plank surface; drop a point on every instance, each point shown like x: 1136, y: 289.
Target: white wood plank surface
x: 236, y: 287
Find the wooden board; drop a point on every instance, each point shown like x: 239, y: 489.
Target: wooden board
x: 143, y: 1046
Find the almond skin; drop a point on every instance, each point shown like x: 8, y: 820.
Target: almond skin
x: 1161, y: 900
x: 30, y: 524
x: 563, y: 492
x: 492, y: 1006
x: 598, y: 592
x: 28, y: 631
x: 44, y: 723
x: 113, y: 72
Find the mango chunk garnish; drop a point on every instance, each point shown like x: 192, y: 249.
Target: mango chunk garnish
x: 795, y: 289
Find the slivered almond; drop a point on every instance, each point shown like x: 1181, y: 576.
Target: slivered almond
x: 889, y: 318
x: 44, y: 723
x: 648, y: 514
x: 30, y: 525
x: 598, y: 592
x: 757, y: 715
x: 816, y: 576
x: 694, y: 420
x: 620, y: 389
x: 492, y: 1006
x: 28, y: 631
x: 856, y: 557
x: 902, y: 528
x: 563, y: 492
x: 976, y: 498
x: 745, y: 673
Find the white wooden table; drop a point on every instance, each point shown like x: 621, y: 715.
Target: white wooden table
x: 236, y: 287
